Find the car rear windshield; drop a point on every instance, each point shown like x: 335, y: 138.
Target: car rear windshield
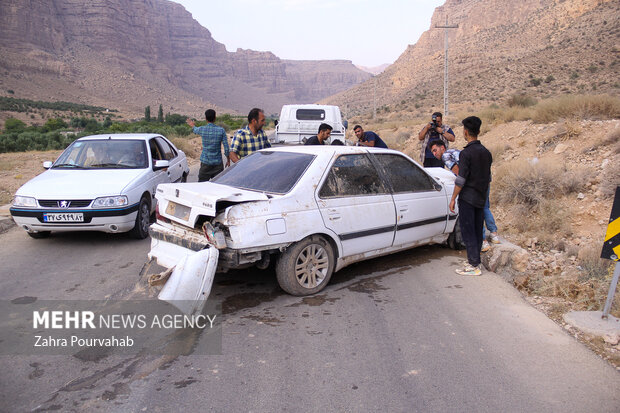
x: 266, y: 171
x: 310, y: 114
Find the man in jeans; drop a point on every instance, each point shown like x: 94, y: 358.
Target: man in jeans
x: 213, y: 137
x: 471, y: 187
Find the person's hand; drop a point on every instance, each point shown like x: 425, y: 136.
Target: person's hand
x: 190, y: 122
x: 439, y: 130
x: 227, y: 162
x: 452, y: 205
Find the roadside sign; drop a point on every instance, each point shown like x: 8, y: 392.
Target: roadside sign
x: 611, y: 245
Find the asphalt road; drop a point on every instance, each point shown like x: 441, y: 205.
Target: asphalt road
x: 398, y: 333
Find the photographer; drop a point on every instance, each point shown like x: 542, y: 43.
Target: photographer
x: 434, y: 130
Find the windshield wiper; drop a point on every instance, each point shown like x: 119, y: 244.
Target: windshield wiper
x: 66, y: 165
x: 103, y: 165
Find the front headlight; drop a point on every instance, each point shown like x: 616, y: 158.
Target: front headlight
x: 24, y: 201
x: 110, y: 201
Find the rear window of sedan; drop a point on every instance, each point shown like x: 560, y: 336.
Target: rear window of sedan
x: 266, y: 171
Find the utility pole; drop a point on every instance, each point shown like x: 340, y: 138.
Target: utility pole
x: 374, y: 97
x: 445, y: 70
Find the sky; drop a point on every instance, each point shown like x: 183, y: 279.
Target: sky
x: 367, y: 32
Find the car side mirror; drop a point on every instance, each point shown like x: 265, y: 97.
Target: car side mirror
x: 275, y: 122
x: 160, y: 164
x: 47, y: 164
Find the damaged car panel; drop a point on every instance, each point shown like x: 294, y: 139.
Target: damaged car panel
x: 313, y: 210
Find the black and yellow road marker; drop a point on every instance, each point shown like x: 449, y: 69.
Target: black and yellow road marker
x: 611, y: 245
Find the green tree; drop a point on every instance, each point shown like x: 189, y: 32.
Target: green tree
x: 14, y: 125
x: 53, y: 124
x: 175, y: 119
x: 160, y: 114
x: 147, y: 113
x: 107, y: 122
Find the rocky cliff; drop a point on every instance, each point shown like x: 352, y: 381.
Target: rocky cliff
x: 500, y: 48
x: 132, y: 54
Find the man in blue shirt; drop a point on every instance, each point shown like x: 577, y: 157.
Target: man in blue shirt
x: 368, y: 138
x: 213, y: 137
x: 250, y: 139
x: 436, y: 129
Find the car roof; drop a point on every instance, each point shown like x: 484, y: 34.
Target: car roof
x: 327, y: 149
x: 135, y: 136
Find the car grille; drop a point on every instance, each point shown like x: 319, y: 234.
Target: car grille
x: 70, y: 203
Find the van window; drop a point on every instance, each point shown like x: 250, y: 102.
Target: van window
x: 310, y: 114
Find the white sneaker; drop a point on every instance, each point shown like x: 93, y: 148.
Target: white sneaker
x: 485, y: 246
x: 495, y: 238
x: 469, y: 270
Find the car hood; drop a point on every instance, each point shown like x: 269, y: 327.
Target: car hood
x: 79, y: 184
x: 202, y: 197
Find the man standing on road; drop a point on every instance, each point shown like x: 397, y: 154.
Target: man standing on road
x: 251, y: 138
x: 471, y: 187
x: 450, y: 158
x: 213, y: 137
x: 368, y: 138
x: 434, y: 130
x: 325, y: 132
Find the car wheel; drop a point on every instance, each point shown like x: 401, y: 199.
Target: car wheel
x: 455, y: 239
x: 40, y: 234
x: 143, y: 219
x: 305, y: 267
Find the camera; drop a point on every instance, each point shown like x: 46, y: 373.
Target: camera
x: 434, y: 122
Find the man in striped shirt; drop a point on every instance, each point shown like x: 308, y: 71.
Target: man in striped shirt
x: 213, y: 137
x: 251, y: 138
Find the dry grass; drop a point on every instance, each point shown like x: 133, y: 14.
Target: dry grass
x: 525, y: 182
x: 189, y: 145
x: 577, y: 107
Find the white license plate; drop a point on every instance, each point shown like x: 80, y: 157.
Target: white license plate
x: 178, y: 210
x: 64, y: 217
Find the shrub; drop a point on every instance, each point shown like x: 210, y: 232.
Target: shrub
x: 581, y: 107
x: 592, y: 265
x: 521, y: 100
x: 530, y: 183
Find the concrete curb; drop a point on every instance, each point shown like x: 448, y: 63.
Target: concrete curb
x: 6, y: 223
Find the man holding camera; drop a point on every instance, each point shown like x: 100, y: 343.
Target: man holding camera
x: 434, y: 130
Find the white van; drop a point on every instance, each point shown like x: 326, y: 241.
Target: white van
x: 299, y: 122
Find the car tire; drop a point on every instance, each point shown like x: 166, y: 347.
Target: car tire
x: 306, y: 267
x: 40, y: 234
x: 143, y: 220
x: 455, y: 239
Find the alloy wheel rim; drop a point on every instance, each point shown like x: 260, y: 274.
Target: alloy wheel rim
x: 311, y: 266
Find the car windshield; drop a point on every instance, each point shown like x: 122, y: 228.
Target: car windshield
x: 266, y: 171
x: 104, y: 154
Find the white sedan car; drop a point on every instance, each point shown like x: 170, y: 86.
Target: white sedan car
x: 100, y: 183
x: 312, y: 209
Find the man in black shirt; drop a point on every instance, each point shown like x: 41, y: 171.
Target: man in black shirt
x: 325, y: 132
x: 471, y: 187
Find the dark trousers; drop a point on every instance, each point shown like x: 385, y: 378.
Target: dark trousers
x: 207, y: 172
x: 472, y: 220
x: 431, y: 162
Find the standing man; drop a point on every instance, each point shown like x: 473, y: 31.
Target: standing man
x: 368, y: 138
x: 325, y: 132
x: 471, y: 186
x: 213, y: 137
x: 251, y: 138
x: 434, y: 130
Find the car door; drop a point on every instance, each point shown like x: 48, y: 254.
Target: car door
x: 175, y: 170
x: 421, y: 208
x: 357, y: 205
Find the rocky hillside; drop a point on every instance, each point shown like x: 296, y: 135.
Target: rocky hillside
x: 126, y: 54
x: 500, y: 48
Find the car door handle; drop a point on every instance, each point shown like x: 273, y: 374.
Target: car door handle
x: 403, y: 208
x: 333, y: 215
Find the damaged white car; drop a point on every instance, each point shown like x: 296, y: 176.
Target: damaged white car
x: 311, y: 209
